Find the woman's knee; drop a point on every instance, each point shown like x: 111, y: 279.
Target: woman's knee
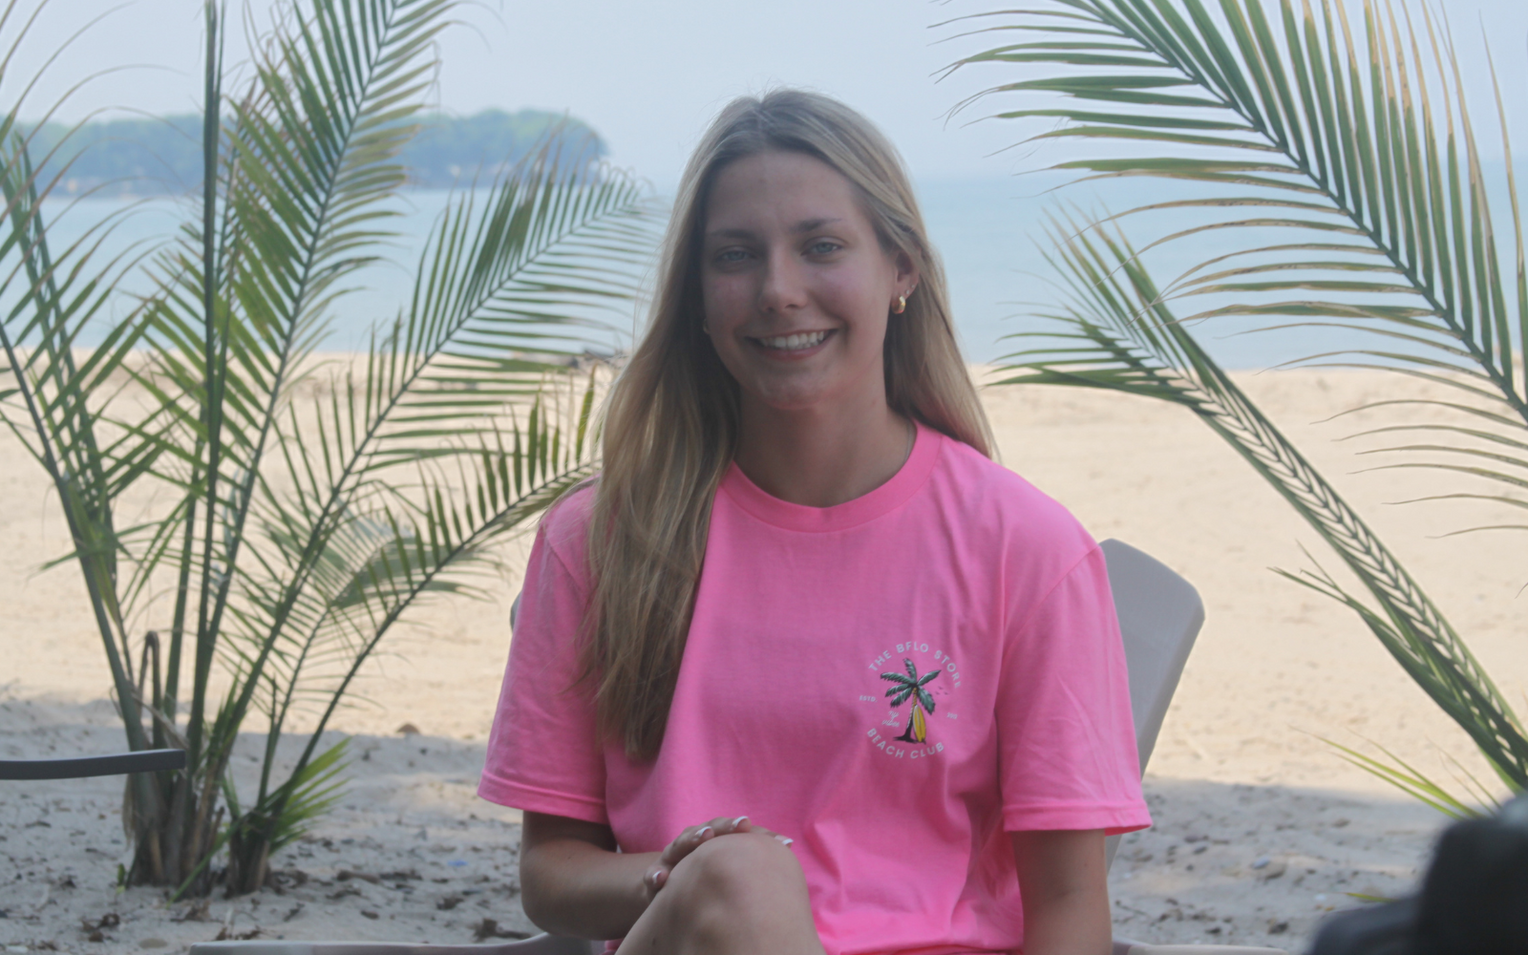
x: 735, y: 874
x: 742, y: 893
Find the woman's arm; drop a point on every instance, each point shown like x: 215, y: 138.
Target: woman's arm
x: 574, y: 883
x: 1063, y: 881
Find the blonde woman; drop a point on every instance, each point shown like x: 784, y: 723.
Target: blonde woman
x: 804, y: 671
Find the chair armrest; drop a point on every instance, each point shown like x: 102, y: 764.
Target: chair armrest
x: 1126, y: 947
x: 142, y: 761
x: 537, y: 945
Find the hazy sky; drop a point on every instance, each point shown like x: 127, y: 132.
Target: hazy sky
x: 647, y: 74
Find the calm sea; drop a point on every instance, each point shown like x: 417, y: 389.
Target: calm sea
x: 990, y: 234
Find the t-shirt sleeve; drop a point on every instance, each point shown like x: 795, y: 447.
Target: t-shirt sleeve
x: 543, y: 754
x: 1066, y: 739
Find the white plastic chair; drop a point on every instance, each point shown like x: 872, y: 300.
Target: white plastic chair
x: 1160, y: 614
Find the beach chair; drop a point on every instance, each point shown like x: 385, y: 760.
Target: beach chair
x: 1160, y: 614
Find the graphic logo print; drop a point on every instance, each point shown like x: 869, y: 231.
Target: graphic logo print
x: 909, y: 686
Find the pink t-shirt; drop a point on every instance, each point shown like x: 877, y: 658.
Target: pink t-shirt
x: 893, y: 682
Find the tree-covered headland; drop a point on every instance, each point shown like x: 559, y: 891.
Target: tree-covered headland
x: 155, y: 156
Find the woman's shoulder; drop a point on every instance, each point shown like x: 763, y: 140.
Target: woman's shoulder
x: 565, y: 525
x: 999, y: 504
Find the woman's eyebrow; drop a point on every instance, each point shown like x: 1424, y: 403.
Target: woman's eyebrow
x: 805, y: 225
x: 811, y: 225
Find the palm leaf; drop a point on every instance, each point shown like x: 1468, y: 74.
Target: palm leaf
x: 55, y: 294
x: 405, y: 408
x: 1360, y: 131
x: 302, y: 171
x: 1117, y: 333
x: 427, y: 539
x: 1415, y: 783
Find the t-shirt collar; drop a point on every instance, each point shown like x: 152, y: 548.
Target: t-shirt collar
x: 884, y: 499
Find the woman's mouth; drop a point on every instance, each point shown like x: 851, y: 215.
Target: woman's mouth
x: 798, y: 341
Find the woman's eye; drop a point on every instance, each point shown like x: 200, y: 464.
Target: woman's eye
x: 823, y: 247
x: 731, y: 256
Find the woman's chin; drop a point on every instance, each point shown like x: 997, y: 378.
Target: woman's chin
x: 791, y: 402
x: 829, y: 388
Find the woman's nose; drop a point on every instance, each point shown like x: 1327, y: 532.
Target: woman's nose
x: 783, y: 286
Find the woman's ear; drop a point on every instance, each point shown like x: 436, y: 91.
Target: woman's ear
x: 906, y: 274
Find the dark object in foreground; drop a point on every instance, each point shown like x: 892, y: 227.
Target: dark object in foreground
x: 142, y: 761
x: 1474, y: 899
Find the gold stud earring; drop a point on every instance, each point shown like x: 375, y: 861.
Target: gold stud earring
x: 901, y: 305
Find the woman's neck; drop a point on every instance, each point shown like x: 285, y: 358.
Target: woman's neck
x: 820, y: 458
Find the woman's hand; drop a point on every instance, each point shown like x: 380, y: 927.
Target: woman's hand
x: 691, y: 839
x: 574, y: 881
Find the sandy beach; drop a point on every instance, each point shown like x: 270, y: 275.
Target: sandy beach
x: 1261, y: 828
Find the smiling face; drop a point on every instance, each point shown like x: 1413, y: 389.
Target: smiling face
x: 796, y: 286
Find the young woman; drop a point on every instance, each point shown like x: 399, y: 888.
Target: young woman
x: 804, y: 671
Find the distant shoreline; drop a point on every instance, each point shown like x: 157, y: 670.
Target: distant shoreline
x: 149, y: 158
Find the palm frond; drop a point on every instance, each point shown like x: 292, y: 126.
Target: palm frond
x: 1118, y: 334
x: 485, y: 287
x: 395, y: 546
x: 1413, y: 782
x: 504, y: 289
x: 55, y: 294
x: 1352, y: 137
x: 303, y: 171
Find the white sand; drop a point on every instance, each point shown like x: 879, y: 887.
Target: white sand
x: 1260, y: 828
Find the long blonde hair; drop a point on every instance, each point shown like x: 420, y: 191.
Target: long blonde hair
x: 671, y: 421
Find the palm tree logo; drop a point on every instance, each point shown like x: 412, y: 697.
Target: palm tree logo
x: 909, y: 686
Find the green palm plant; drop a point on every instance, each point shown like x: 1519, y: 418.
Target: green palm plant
x: 309, y: 505
x: 1333, y: 140
x: 910, y: 687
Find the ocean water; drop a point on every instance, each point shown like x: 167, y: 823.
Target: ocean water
x: 990, y: 235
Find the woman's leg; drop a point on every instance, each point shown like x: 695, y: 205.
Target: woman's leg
x: 740, y: 894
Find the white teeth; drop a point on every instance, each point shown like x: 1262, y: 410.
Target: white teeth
x: 794, y: 342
